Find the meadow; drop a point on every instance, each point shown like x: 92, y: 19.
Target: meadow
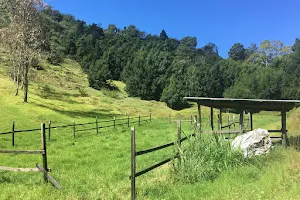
x: 97, y: 166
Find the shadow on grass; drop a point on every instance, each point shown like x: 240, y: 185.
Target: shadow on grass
x: 100, y: 113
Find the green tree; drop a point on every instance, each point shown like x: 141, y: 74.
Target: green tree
x: 163, y: 35
x: 23, y: 37
x: 237, y: 52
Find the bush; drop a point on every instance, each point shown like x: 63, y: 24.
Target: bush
x: 205, y: 159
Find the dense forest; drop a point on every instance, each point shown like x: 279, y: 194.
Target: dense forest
x: 157, y: 67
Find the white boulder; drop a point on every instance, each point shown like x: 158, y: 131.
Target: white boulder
x: 255, y: 142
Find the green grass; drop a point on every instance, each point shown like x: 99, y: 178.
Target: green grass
x: 97, y: 166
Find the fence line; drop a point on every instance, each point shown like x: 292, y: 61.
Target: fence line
x: 38, y: 168
x: 183, y: 119
x: 74, y: 126
x: 135, y: 153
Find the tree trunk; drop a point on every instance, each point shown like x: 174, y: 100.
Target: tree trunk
x: 17, y: 81
x: 25, y: 82
x: 15, y: 73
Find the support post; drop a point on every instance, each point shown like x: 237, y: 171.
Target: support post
x: 199, y: 117
x: 114, y: 121
x: 241, y: 122
x: 44, y: 155
x: 191, y: 119
x: 139, y: 119
x: 212, y: 118
x: 219, y: 122
x: 97, y: 127
x: 128, y: 120
x: 220, y: 119
x: 13, y: 133
x: 251, y: 121
x: 74, y: 129
x: 283, y: 127
x: 228, y: 123
x: 179, y: 133
x: 133, y: 164
x: 233, y: 117
x: 49, y: 129
x: 195, y: 124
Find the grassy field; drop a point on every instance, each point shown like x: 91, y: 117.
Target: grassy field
x: 97, y: 166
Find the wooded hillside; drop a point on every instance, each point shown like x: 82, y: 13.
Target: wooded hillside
x: 157, y: 67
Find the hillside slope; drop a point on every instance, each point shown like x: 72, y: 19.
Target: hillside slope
x: 61, y: 93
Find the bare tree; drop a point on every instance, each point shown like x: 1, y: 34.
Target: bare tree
x: 23, y: 37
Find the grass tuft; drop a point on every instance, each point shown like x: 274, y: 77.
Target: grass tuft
x: 206, y: 158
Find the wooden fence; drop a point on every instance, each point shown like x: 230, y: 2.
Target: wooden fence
x: 79, y: 127
x: 38, y: 168
x: 182, y: 119
x: 135, y: 153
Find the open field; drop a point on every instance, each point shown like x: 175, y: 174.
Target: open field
x: 98, y: 166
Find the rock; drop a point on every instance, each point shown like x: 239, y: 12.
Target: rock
x: 256, y: 142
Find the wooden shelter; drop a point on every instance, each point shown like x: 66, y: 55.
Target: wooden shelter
x: 246, y: 105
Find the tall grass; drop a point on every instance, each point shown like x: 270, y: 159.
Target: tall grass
x: 205, y: 159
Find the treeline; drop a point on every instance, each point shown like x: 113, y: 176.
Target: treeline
x: 156, y: 67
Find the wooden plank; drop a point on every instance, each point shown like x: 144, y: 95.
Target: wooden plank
x: 22, y: 151
x: 138, y: 153
x: 15, y: 169
x: 154, y: 166
x: 274, y: 131
x: 47, y: 175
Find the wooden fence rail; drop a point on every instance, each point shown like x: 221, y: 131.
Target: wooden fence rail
x: 42, y: 152
x: 97, y: 125
x: 135, y: 153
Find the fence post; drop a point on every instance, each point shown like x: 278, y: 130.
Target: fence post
x: 114, y: 121
x: 219, y: 122
x: 139, y: 119
x: 179, y: 133
x: 44, y: 155
x: 229, y: 123
x: 195, y: 124
x: 233, y: 116
x: 128, y: 120
x: 74, y: 129
x: 97, y: 129
x: 133, y: 164
x: 49, y: 129
x: 191, y: 119
x: 150, y: 117
x: 13, y: 133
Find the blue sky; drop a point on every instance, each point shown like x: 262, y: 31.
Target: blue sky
x: 222, y: 22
